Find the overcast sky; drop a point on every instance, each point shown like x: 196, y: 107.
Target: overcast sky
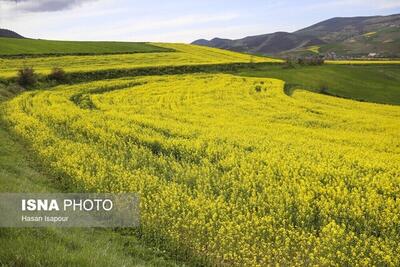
x: 174, y: 20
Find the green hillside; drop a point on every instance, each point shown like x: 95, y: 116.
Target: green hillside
x: 372, y: 83
x: 384, y: 42
x: 13, y: 46
x: 352, y: 36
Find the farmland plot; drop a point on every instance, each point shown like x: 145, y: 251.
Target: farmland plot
x: 230, y: 170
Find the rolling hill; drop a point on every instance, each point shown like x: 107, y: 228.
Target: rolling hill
x: 182, y: 55
x: 15, y: 47
x: 355, y: 36
x: 9, y: 34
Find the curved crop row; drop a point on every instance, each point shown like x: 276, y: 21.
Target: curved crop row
x: 183, y: 55
x: 230, y: 169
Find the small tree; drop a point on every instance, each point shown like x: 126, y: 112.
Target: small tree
x: 27, y: 77
x: 310, y: 61
x: 58, y: 74
x: 290, y: 63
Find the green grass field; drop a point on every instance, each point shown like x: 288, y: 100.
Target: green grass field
x: 372, y: 83
x: 12, y: 46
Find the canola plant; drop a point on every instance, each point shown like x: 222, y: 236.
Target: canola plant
x: 181, y: 55
x: 229, y: 169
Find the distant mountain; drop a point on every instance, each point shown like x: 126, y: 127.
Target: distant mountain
x: 9, y: 34
x: 356, y: 36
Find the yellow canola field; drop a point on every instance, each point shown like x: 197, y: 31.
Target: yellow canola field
x: 230, y: 169
x: 184, y: 55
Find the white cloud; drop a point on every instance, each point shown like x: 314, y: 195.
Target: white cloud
x: 44, y: 25
x: 190, y: 35
x: 170, y: 21
x: 144, y: 29
x: 43, y: 5
x: 376, y: 4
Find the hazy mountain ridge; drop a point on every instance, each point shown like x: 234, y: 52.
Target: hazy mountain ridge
x: 378, y: 35
x: 9, y: 34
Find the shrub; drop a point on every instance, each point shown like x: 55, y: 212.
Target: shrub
x: 58, y: 74
x: 27, y: 77
x: 290, y: 63
x: 324, y: 90
x: 311, y: 61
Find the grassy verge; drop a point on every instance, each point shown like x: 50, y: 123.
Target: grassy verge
x: 56, y: 246
x: 373, y: 83
x: 88, y: 76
